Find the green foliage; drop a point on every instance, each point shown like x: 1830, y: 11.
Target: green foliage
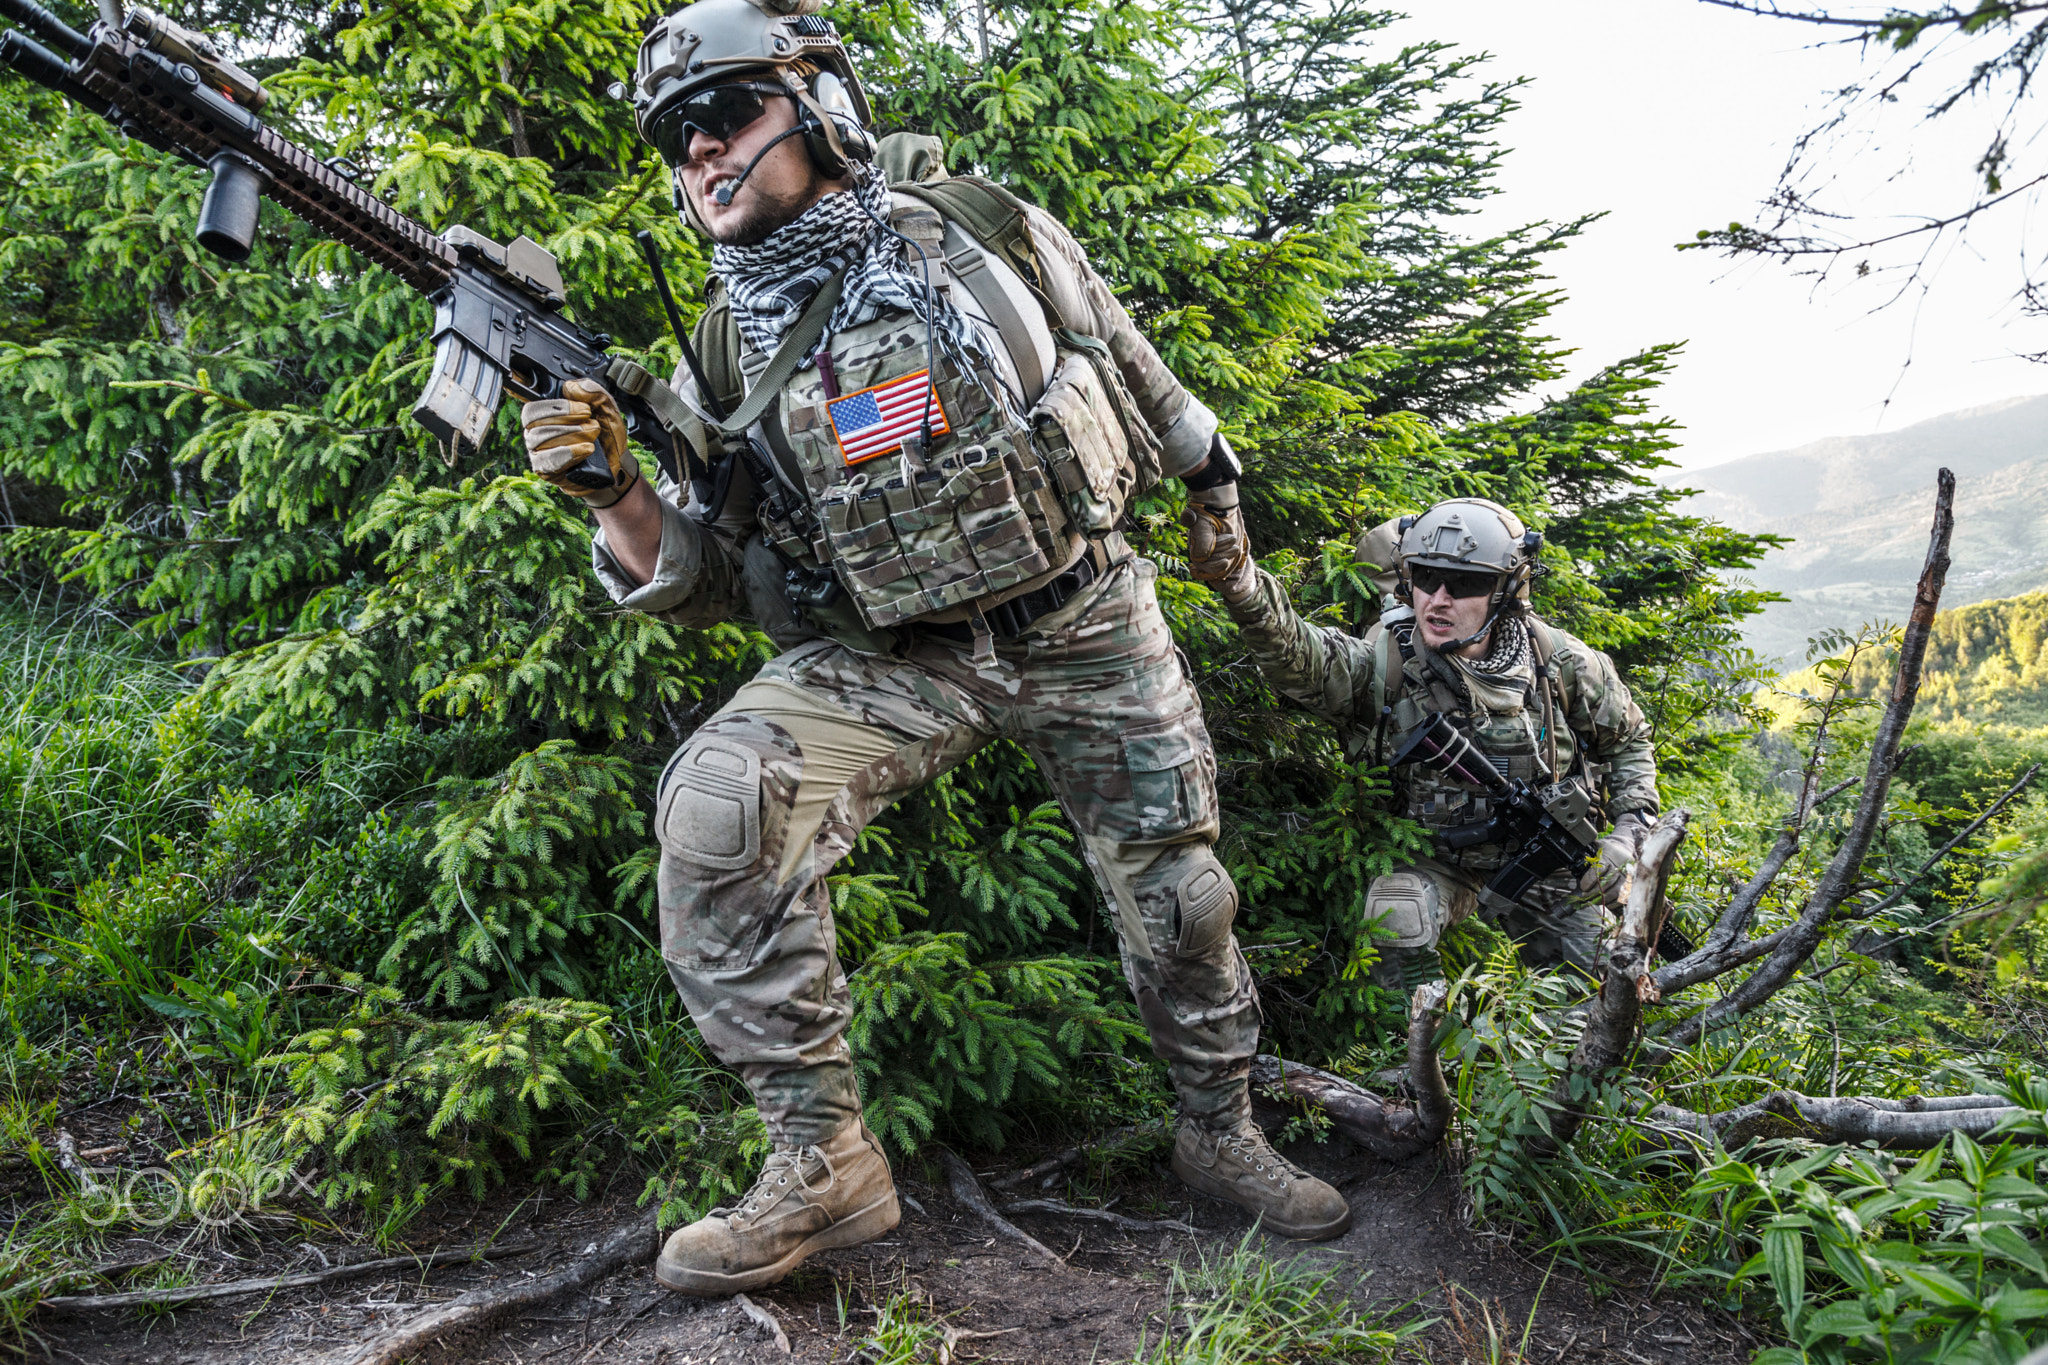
x: 1987, y: 663
x: 405, y: 1105
x: 1870, y: 1259
x: 1245, y: 1307
x: 507, y: 888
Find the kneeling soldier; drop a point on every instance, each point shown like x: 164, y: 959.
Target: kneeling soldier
x: 938, y: 414
x: 1459, y: 641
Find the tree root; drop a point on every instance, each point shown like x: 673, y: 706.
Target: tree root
x: 1388, y: 1128
x: 1099, y: 1215
x: 472, y: 1315
x: 1902, y: 1125
x: 200, y: 1293
x: 961, y: 1181
x: 1078, y: 1156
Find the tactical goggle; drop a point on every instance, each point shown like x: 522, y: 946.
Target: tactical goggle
x: 719, y: 113
x: 1456, y: 582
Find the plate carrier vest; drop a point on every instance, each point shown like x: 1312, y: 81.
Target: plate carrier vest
x: 1533, y: 741
x: 1001, y: 496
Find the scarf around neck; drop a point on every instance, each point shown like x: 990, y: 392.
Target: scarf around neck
x: 1500, y: 681
x: 770, y: 283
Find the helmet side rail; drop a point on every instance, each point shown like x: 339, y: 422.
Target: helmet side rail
x: 498, y: 326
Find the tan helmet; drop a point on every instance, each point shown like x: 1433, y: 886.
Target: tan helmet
x: 717, y: 42
x: 1475, y: 535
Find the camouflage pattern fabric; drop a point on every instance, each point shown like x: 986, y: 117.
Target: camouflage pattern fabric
x: 768, y: 794
x: 1550, y: 925
x: 1347, y: 680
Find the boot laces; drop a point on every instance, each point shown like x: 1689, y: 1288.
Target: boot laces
x: 1247, y: 1144
x: 784, y: 1166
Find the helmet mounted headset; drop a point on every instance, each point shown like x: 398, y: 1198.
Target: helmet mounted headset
x: 1469, y: 543
x: 755, y: 49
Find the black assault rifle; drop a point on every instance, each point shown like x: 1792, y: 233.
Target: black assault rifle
x: 498, y: 324
x: 1548, y: 826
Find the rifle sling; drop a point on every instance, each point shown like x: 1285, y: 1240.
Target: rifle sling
x: 795, y: 348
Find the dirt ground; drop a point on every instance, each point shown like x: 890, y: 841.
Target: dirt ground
x: 1407, y: 1247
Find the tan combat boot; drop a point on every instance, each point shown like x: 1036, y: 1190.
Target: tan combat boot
x: 1239, y: 1165
x: 837, y: 1194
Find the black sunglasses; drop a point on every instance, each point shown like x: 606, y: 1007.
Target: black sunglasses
x: 719, y: 113
x: 1457, y: 582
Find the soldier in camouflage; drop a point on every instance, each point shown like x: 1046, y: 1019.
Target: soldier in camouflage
x: 917, y: 498
x: 1458, y: 638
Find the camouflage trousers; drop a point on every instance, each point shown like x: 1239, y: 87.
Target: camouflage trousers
x: 771, y: 791
x: 1550, y: 925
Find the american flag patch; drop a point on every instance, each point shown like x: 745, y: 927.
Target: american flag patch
x: 874, y: 421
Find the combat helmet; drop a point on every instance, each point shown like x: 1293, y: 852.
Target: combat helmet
x: 718, y: 42
x: 1471, y: 535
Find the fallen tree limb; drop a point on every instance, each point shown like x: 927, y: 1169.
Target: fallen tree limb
x: 469, y: 1316
x: 1128, y: 1224
x: 1909, y: 1125
x: 1078, y: 1155
x: 200, y: 1293
x: 1615, y: 1011
x: 961, y: 1181
x: 1433, y: 1104
x: 1389, y: 1128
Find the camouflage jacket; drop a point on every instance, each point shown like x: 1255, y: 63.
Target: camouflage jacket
x: 711, y: 572
x: 1346, y: 680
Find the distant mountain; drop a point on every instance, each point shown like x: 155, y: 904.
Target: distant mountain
x: 1857, y: 508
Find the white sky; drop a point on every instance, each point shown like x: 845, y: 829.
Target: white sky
x: 1675, y: 115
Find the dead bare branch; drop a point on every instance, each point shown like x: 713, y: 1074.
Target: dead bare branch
x: 1611, y: 1019
x: 470, y: 1316
x: 1128, y: 1224
x: 961, y: 1181
x: 1910, y: 1124
x: 1070, y: 1157
x: 201, y: 1293
x: 1883, y: 26
x: 1951, y: 846
x: 1798, y: 941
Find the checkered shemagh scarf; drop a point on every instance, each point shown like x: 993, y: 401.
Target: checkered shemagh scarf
x: 770, y: 284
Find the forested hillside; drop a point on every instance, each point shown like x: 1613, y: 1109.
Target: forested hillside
x: 1852, y: 511
x: 1987, y: 665
x: 329, y: 768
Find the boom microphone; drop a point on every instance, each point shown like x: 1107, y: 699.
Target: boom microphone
x: 725, y: 191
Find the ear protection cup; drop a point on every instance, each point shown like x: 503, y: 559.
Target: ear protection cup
x: 832, y: 133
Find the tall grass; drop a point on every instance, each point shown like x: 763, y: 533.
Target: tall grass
x: 95, y: 766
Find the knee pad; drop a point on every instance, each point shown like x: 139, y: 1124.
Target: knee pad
x: 709, y: 809
x: 1187, y: 901
x: 1410, y: 906
x: 1205, y: 900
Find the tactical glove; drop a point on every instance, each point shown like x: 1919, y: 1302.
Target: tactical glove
x: 1219, y: 550
x: 564, y: 439
x: 1607, y: 880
